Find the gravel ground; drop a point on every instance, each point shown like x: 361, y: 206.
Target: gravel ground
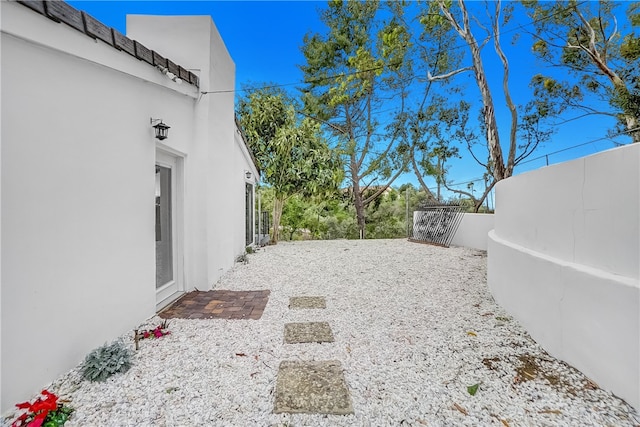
x: 414, y: 326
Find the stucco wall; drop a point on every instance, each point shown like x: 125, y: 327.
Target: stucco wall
x: 78, y: 218
x: 244, y: 164
x: 195, y: 41
x: 563, y: 259
x: 473, y: 231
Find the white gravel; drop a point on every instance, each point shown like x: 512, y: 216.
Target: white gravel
x: 401, y: 314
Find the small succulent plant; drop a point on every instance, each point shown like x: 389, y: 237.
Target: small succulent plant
x: 105, y: 361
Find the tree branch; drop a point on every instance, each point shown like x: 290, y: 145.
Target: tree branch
x: 383, y: 188
x: 447, y: 75
x: 419, y: 175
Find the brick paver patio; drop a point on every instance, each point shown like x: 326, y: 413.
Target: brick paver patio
x: 218, y: 304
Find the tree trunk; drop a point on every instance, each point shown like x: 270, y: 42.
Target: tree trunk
x: 507, y: 95
x: 488, y: 112
x: 423, y: 185
x: 358, y: 201
x: 278, y: 203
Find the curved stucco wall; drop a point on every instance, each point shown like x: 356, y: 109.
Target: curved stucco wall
x: 563, y: 259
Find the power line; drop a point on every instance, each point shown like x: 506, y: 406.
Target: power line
x: 624, y: 132
x: 481, y: 179
x: 319, y: 79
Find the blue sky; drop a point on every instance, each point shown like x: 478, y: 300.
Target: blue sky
x: 264, y: 40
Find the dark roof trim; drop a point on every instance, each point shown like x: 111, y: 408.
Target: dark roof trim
x: 59, y: 11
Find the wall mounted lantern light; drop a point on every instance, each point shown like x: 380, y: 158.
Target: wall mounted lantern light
x: 248, y: 174
x: 162, y: 130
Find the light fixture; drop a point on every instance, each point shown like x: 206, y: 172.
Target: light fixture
x: 248, y: 174
x: 162, y: 130
x: 166, y: 72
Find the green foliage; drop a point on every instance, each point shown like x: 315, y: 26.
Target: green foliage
x: 473, y: 389
x: 291, y: 152
x: 106, y: 361
x: 351, y: 69
x: 334, y: 218
x: 588, y: 40
x: 386, y: 218
x: 58, y: 417
x: 630, y: 48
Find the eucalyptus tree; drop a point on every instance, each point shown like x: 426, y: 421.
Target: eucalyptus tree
x: 451, y: 22
x: 291, y: 152
x: 586, y: 39
x: 354, y: 84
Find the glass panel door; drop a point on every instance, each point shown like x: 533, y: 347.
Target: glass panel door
x: 168, y: 229
x: 248, y: 206
x: 164, y: 235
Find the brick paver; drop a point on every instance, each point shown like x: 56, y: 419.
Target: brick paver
x: 218, y: 304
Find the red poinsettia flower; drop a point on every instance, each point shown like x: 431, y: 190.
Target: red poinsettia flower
x: 48, y: 395
x: 39, y: 410
x: 44, y: 405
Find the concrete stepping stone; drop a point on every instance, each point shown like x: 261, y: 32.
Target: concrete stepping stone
x: 295, y: 333
x: 312, y: 387
x: 307, y: 302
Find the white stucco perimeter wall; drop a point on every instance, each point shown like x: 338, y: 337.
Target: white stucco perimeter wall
x: 473, y: 231
x: 563, y: 259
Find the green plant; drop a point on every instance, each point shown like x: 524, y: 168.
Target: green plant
x: 105, y: 361
x: 249, y: 249
x: 45, y: 411
x: 473, y: 389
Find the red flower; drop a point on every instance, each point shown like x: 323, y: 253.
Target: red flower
x: 43, y: 405
x: 38, y: 410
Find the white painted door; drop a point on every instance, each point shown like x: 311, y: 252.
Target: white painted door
x: 168, y: 282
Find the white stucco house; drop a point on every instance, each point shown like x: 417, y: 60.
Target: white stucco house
x: 102, y: 223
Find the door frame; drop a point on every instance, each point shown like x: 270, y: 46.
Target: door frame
x: 166, y: 294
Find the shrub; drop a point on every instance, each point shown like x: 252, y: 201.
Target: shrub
x: 105, y: 361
